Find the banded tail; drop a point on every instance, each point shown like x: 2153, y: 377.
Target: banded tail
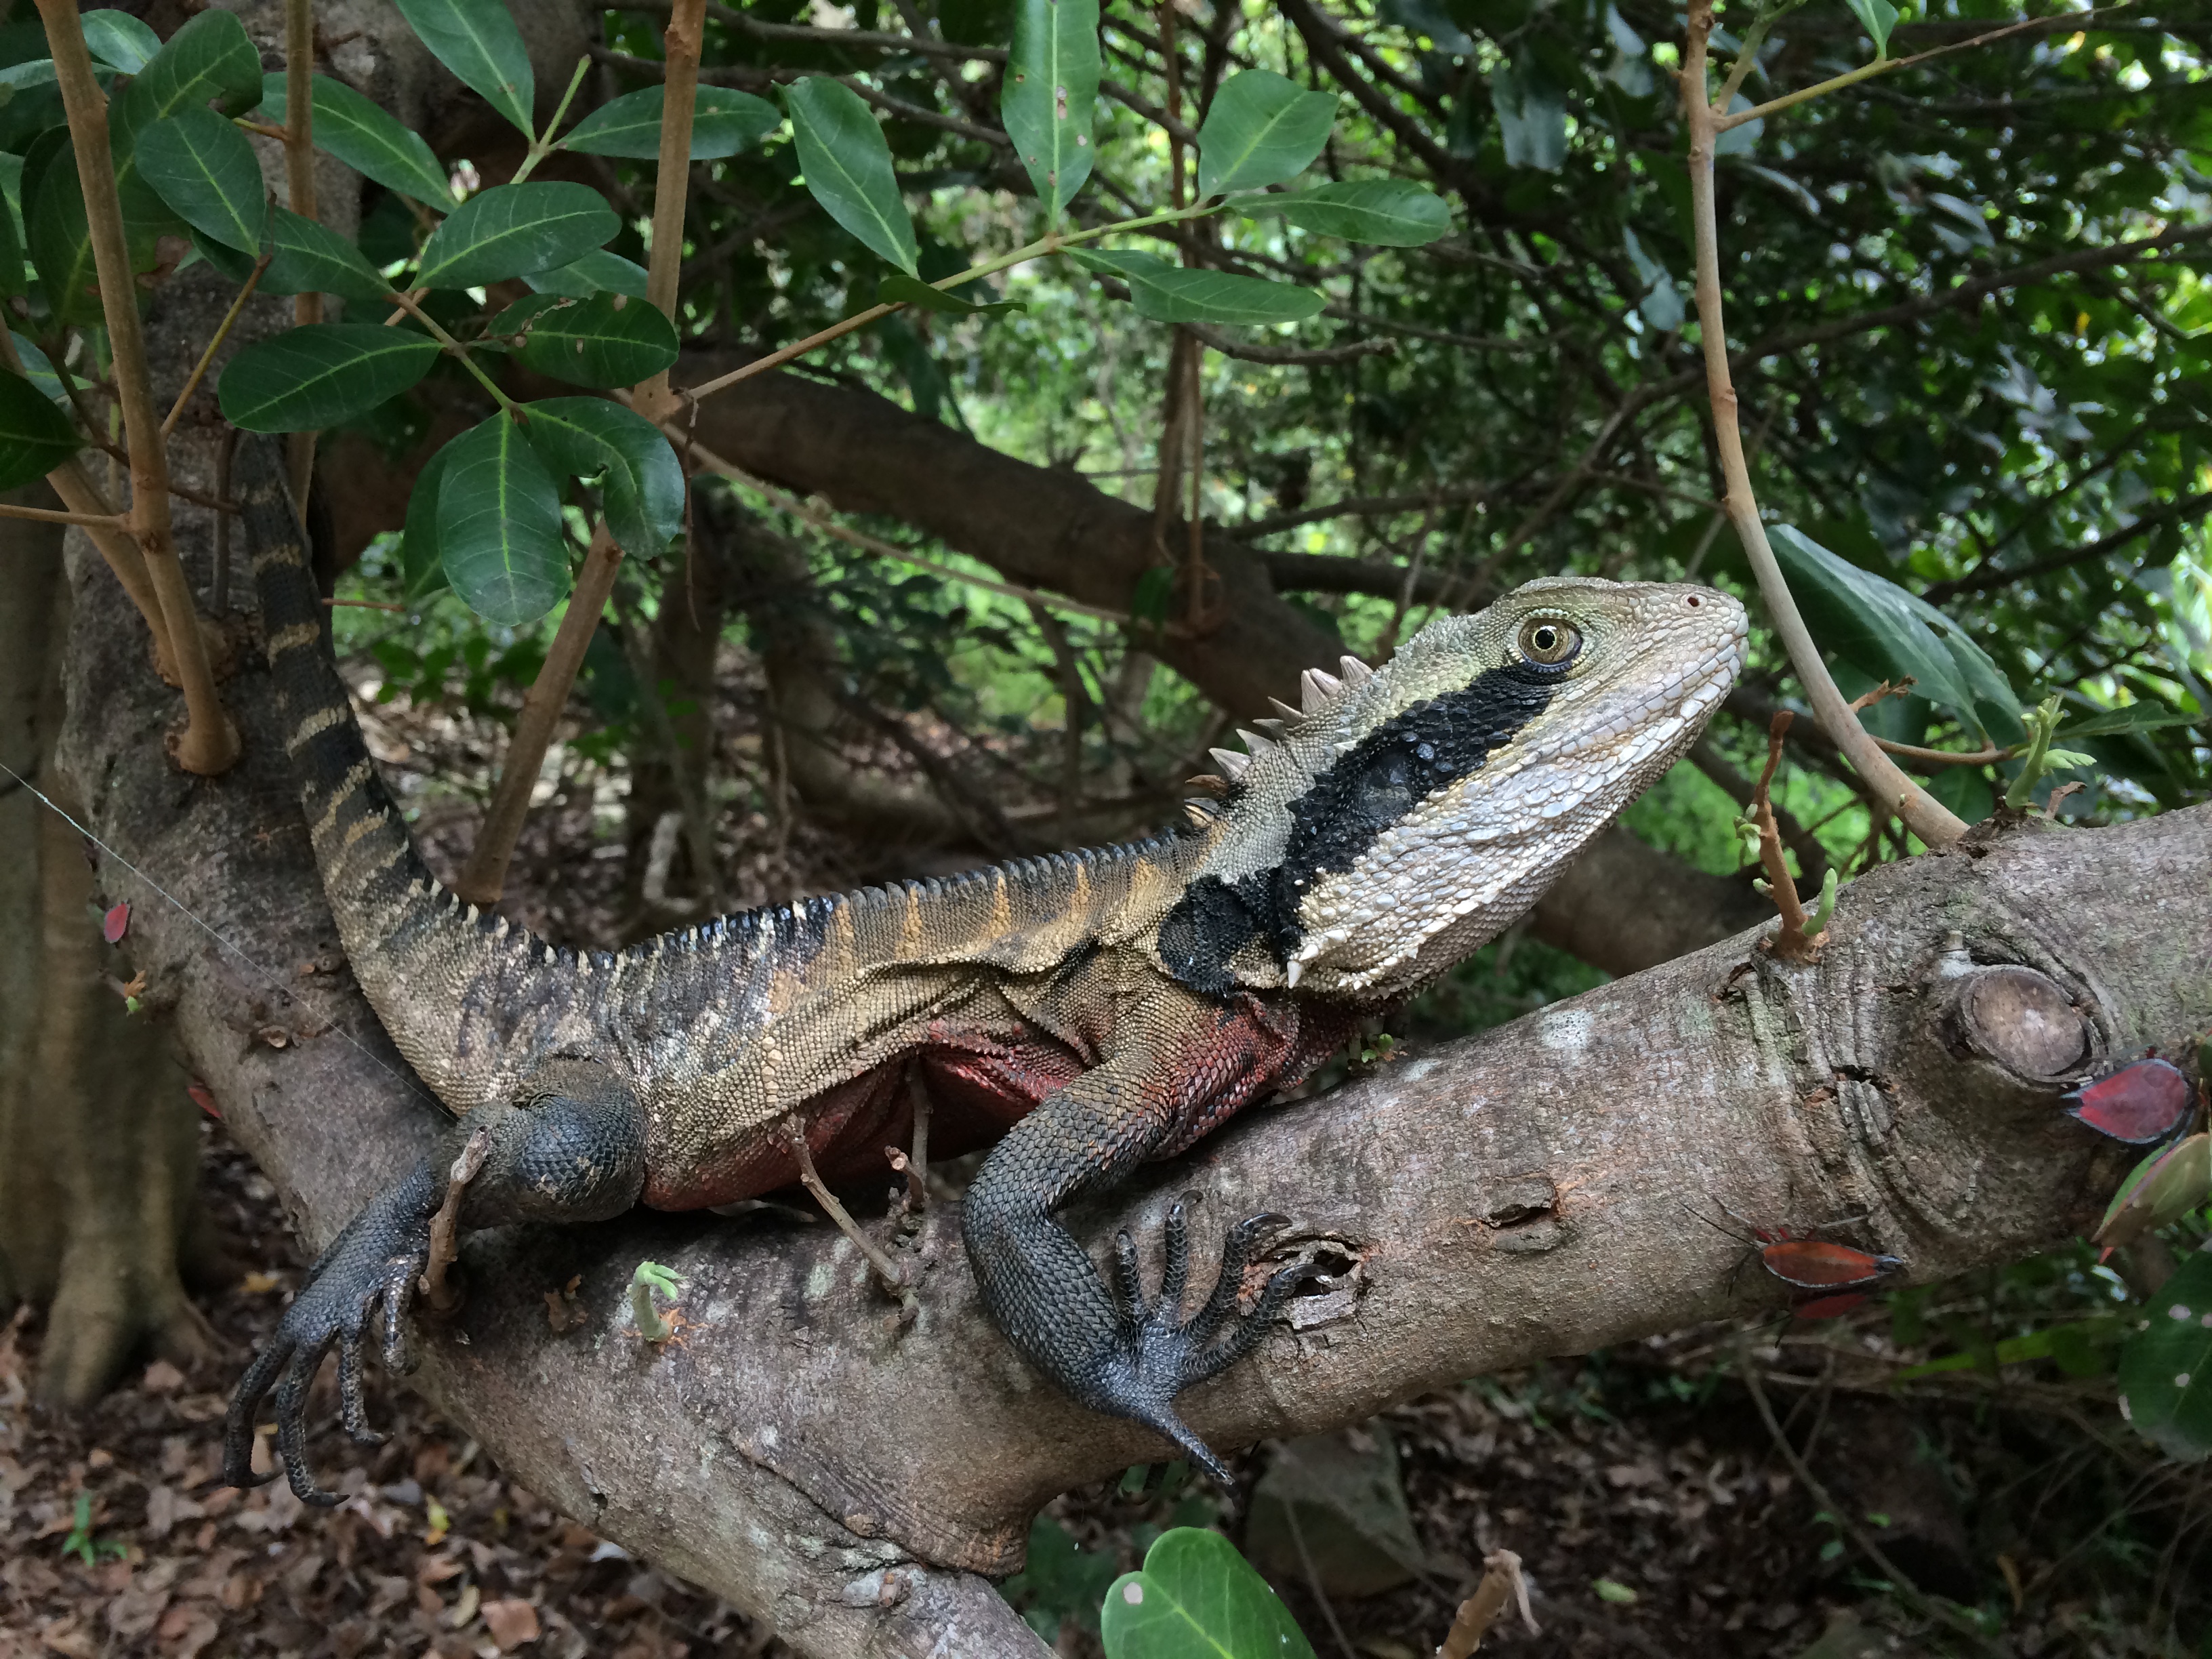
x: 408, y: 939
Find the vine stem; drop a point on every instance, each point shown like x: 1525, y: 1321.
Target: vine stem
x: 299, y: 189
x: 200, y: 369
x: 209, y: 743
x: 1921, y: 812
x: 485, y: 876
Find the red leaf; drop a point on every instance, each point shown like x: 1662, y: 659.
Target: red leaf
x: 1813, y: 1264
x: 203, y: 1097
x: 116, y: 923
x: 1830, y: 1307
x: 2139, y: 1103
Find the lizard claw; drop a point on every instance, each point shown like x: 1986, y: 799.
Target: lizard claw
x: 374, y: 1260
x: 1159, y: 1353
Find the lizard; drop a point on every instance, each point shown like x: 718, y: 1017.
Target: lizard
x: 1080, y: 1014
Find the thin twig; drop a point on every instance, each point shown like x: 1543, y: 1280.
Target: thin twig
x: 1793, y: 943
x: 445, y: 1224
x: 681, y: 42
x: 893, y: 1274
x: 485, y: 876
x: 1922, y: 813
x: 209, y: 743
x: 230, y: 321
x: 299, y: 192
x: 50, y: 515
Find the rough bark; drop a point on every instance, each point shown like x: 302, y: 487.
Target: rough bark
x: 100, y: 1218
x: 1517, y: 1194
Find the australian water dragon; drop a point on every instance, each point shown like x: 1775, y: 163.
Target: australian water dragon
x: 1087, y: 1011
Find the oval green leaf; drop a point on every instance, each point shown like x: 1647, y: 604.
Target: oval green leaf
x: 13, y: 281
x: 478, y: 41
x: 2166, y: 1370
x: 723, y: 122
x: 1197, y: 1598
x: 40, y: 371
x: 119, y: 40
x: 848, y: 168
x: 607, y: 340
x: 311, y: 257
x: 643, y: 487
x: 200, y: 164
x: 35, y: 437
x: 1262, y: 129
x: 60, y: 237
x: 2158, y: 1191
x: 1050, y: 95
x: 1883, y: 631
x: 596, y: 272
x: 421, y: 560
x: 306, y: 378
x: 210, y: 61
x: 367, y: 139
x: 499, y: 525
x: 510, y: 229
x: 1173, y: 293
x: 1382, y: 212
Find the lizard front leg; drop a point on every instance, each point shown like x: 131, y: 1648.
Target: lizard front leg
x: 1115, y: 1354
x: 570, y: 1147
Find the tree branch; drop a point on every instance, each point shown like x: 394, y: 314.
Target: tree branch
x: 1473, y: 1218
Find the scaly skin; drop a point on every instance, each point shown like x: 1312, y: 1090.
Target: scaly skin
x: 1087, y: 1011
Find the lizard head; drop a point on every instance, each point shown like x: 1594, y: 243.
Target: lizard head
x: 1406, y: 817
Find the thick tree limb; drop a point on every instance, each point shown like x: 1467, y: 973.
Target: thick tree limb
x: 1514, y: 1195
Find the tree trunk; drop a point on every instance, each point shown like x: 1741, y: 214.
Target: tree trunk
x: 99, y: 1145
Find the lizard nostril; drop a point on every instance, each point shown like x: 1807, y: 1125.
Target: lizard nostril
x: 1693, y: 602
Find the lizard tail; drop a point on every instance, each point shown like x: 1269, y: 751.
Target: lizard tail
x: 376, y: 882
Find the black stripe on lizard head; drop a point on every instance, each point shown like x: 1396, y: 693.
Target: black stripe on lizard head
x: 1362, y: 793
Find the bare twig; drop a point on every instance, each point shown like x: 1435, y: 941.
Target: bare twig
x: 1796, y: 942
x: 445, y: 1224
x: 686, y: 26
x: 209, y: 743
x: 49, y: 515
x: 892, y: 1274
x: 1246, y: 351
x: 200, y: 369
x: 485, y: 875
x: 1502, y: 1582
x: 299, y: 190
x: 1922, y: 813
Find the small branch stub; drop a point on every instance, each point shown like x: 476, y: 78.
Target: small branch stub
x: 445, y: 1225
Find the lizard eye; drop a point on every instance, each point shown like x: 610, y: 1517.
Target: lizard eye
x: 1549, y: 642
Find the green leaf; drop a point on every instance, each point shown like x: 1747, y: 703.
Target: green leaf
x: 499, y: 525
x: 313, y: 258
x: 209, y: 61
x: 478, y: 41
x: 2166, y: 1371
x: 13, y: 281
x: 1050, y: 97
x: 1532, y: 117
x: 596, y: 272
x: 1197, y: 1598
x: 608, y: 339
x: 319, y: 375
x: 510, y: 229
x: 367, y: 139
x: 200, y: 164
x: 643, y: 489
x: 35, y: 437
x: 899, y: 288
x: 1172, y: 293
x: 421, y: 560
x: 848, y: 168
x: 723, y: 122
x: 1612, y: 1590
x: 40, y: 372
x: 2136, y: 717
x: 1382, y: 212
x: 119, y: 40
x: 1877, y: 17
x: 2161, y: 1189
x: 1262, y: 129
x: 60, y: 239
x: 1882, y: 631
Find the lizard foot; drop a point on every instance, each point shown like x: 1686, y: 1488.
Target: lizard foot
x: 1158, y: 1353
x: 376, y: 1259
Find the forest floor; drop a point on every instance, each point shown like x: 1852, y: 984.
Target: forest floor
x: 1655, y: 1513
